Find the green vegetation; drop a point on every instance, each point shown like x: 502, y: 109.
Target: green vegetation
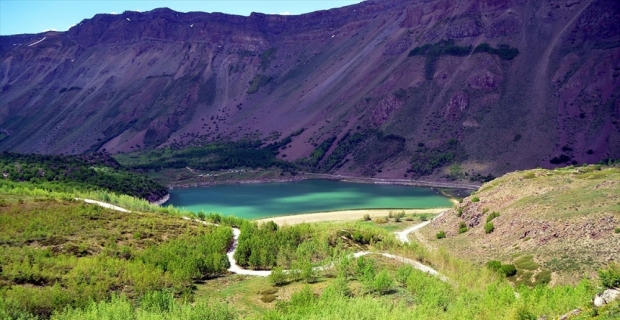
x: 610, y: 276
x: 96, y: 171
x: 318, y: 153
x: 64, y: 259
x: 211, y: 157
x: 462, y: 227
x: 345, y: 146
x: 475, y: 199
x: 266, y: 58
x: 503, y: 51
x: 260, y: 80
x: 59, y: 253
x: 488, y: 227
x: 440, y: 235
x: 425, y: 160
x: 492, y: 216
x: 434, y: 51
x: 526, y: 263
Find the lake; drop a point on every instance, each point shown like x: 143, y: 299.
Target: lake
x: 262, y: 200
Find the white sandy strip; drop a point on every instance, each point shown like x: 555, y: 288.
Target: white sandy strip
x: 32, y: 44
x: 105, y: 205
x: 344, y: 215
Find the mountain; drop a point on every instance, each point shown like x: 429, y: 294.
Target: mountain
x: 395, y: 87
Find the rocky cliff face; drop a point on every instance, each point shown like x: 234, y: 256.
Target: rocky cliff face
x: 143, y: 80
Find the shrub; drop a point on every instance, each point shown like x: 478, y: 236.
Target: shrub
x: 508, y: 270
x: 380, y: 220
x: 459, y: 212
x: 423, y: 217
x: 382, y: 282
x: 543, y: 278
x: 489, y: 227
x: 617, y: 230
x: 391, y: 215
x: 494, y: 265
x: 610, y: 277
x: 157, y: 301
x: 492, y: 216
x: 366, y: 217
x: 475, y: 199
x: 277, y: 277
x: 462, y: 227
x: 201, y: 215
x: 267, y: 298
x: 403, y: 273
x: 440, y: 235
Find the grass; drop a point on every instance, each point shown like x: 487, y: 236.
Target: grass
x: 58, y: 253
x: 143, y: 255
x: 526, y: 263
x: 544, y: 217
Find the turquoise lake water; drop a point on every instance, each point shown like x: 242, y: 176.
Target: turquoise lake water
x: 261, y: 200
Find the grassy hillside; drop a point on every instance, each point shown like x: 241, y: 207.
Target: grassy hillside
x: 96, y: 171
x: 556, y: 225
x: 64, y: 259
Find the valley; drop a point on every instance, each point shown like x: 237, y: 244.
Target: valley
x: 390, y: 159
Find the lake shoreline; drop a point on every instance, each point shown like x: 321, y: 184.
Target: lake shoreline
x: 343, y: 215
x: 310, y: 176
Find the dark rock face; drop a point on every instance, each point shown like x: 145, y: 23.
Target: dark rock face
x: 142, y: 80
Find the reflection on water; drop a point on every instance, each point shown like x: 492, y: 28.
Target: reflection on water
x: 254, y: 201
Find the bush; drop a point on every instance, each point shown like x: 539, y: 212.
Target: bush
x: 382, y: 283
x: 462, y: 227
x: 380, y: 220
x: 610, y: 277
x: 494, y: 265
x: 492, y: 216
x: 508, y: 270
x: 459, y: 212
x: 617, y: 230
x: 423, y: 217
x: 366, y: 217
x: 489, y: 227
x: 440, y: 235
x: 267, y: 298
x: 403, y: 273
x: 475, y: 199
x: 277, y: 277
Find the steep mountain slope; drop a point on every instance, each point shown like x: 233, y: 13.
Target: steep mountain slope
x: 143, y: 80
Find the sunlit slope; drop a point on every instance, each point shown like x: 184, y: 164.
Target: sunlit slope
x: 567, y: 219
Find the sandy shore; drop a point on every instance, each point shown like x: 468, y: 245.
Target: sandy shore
x: 345, y: 215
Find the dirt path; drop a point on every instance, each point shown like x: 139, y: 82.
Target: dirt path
x: 235, y: 268
x: 403, y: 236
x: 105, y: 205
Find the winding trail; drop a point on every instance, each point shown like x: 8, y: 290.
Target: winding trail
x: 235, y: 268
x: 402, y: 236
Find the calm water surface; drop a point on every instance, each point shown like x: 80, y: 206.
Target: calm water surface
x: 255, y: 201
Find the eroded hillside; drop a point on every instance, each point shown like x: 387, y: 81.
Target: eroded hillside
x: 565, y: 221
x: 357, y: 77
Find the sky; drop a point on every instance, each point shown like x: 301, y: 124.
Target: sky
x: 35, y: 16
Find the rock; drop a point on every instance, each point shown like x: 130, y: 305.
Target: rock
x: 572, y: 313
x: 606, y: 297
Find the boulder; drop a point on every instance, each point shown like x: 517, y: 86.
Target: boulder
x: 606, y: 297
